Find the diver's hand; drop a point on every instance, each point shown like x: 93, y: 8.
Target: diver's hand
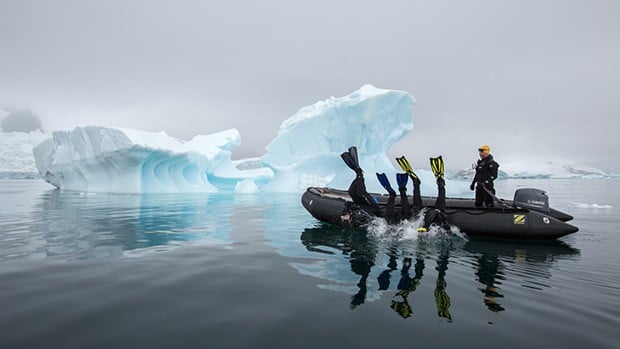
x: 471, y: 187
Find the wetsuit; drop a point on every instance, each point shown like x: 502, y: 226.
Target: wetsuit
x: 392, y: 216
x: 359, y: 195
x: 437, y: 215
x: 486, y: 173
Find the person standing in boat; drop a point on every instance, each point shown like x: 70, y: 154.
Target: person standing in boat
x: 486, y: 173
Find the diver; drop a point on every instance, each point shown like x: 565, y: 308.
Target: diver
x: 364, y: 201
x: 364, y: 207
x: 392, y: 216
x: 357, y: 189
x: 486, y: 173
x: 436, y: 216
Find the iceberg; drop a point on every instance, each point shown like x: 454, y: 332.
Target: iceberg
x: 103, y: 159
x: 306, y: 151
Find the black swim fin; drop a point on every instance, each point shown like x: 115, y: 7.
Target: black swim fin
x: 437, y: 167
x: 385, y: 183
x: 404, y: 164
x: 353, y: 152
x: 346, y: 157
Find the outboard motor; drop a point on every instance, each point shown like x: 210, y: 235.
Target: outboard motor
x: 531, y: 199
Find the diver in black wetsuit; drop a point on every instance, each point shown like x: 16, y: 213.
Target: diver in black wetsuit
x: 357, y: 189
x: 486, y: 173
x: 392, y: 216
x: 434, y: 216
x: 364, y: 207
x: 437, y: 216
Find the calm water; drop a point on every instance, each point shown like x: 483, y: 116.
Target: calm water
x: 225, y: 271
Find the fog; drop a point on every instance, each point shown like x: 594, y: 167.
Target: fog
x: 533, y: 79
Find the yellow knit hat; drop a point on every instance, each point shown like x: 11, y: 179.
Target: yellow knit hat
x: 484, y: 149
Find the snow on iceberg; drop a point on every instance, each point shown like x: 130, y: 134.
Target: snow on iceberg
x: 306, y: 151
x: 102, y: 159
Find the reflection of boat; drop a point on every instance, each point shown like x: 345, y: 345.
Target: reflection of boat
x: 537, y: 251
x: 529, y: 217
x: 335, y: 237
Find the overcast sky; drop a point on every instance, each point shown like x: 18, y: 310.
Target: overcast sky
x: 536, y: 79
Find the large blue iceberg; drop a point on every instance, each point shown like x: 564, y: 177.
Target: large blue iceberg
x: 306, y: 152
x: 101, y: 159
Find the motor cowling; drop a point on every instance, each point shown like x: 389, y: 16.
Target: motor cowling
x: 531, y: 199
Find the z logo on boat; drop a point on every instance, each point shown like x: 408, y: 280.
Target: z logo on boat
x: 518, y: 219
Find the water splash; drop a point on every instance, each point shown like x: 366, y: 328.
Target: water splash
x: 409, y: 230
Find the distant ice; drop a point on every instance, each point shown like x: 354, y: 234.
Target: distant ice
x: 16, y: 160
x: 584, y: 205
x: 542, y: 170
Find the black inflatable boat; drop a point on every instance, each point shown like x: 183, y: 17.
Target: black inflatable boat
x: 527, y: 216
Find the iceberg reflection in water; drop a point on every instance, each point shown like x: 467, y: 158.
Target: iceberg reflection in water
x: 71, y: 225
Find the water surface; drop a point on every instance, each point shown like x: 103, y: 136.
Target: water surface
x: 244, y: 271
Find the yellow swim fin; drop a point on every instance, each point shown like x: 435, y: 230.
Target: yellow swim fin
x: 404, y: 164
x: 437, y: 167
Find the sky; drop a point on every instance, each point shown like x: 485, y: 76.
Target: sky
x: 536, y: 80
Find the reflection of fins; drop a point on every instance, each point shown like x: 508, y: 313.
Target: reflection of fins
x: 404, y: 164
x: 346, y: 157
x: 437, y: 167
x: 385, y: 183
x: 401, y: 179
x: 353, y: 152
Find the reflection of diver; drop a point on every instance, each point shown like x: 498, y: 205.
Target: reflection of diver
x: 360, y: 265
x: 490, y: 268
x: 441, y: 296
x: 352, y: 242
x: 384, y: 277
x: 407, y: 285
